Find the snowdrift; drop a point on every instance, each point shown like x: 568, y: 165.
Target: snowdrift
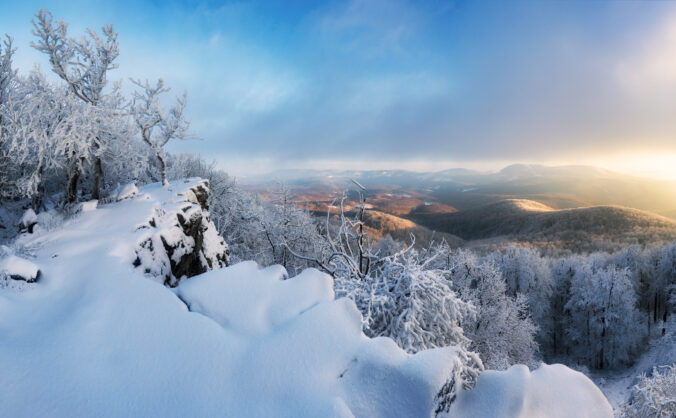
x: 93, y: 337
x: 550, y: 391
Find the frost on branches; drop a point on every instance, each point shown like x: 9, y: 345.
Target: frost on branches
x: 604, y: 323
x: 502, y: 331
x: 401, y: 296
x: 83, y: 64
x: 654, y: 395
x: 157, y: 127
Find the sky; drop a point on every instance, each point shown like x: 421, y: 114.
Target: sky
x: 389, y: 84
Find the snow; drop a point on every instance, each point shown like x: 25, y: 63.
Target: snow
x: 89, y: 206
x: 551, y: 391
x: 94, y: 337
x: 254, y: 301
x: 19, y: 268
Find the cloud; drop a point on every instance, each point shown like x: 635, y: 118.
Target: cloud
x: 652, y: 65
x: 383, y: 25
x: 396, y: 80
x: 379, y: 94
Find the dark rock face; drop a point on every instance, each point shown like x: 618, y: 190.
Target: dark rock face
x: 182, y: 240
x: 25, y: 278
x: 18, y: 268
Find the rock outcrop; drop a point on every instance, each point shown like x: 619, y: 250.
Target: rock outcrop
x: 182, y: 241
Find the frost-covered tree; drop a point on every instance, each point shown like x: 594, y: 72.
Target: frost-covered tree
x: 563, y: 272
x: 604, y: 330
x: 662, y: 287
x: 7, y: 74
x: 36, y: 120
x: 643, y: 265
x: 7, y: 83
x: 83, y: 64
x: 526, y: 272
x: 502, y: 331
x: 157, y: 126
x: 289, y: 229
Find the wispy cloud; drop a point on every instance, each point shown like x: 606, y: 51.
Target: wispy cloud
x: 371, y: 25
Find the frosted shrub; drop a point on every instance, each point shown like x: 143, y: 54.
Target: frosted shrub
x: 653, y: 396
x: 414, y: 306
x: 419, y: 310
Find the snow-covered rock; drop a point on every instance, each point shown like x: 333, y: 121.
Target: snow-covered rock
x: 125, y: 192
x: 28, y: 221
x: 18, y: 268
x: 549, y: 391
x: 182, y: 241
x: 89, y: 205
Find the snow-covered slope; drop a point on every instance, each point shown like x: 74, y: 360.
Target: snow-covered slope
x: 617, y: 386
x: 93, y: 337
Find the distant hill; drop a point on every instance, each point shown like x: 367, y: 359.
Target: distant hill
x: 578, y: 229
x: 577, y: 208
x: 558, y: 186
x: 380, y: 224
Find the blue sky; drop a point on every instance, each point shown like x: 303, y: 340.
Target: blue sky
x: 398, y: 84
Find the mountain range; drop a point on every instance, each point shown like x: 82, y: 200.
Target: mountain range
x: 579, y: 208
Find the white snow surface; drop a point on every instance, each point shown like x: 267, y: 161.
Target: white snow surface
x: 94, y: 337
x: 88, y: 206
x: 550, y: 391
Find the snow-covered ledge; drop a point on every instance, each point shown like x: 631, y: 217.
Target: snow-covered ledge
x: 181, y: 240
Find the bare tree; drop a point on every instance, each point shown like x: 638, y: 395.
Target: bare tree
x: 157, y: 126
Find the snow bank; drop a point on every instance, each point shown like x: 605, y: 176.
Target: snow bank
x: 254, y: 301
x: 550, y: 391
x: 306, y: 343
x: 94, y: 338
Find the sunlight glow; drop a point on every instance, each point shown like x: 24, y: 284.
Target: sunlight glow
x: 653, y: 165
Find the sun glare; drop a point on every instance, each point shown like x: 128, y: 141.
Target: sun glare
x: 654, y: 165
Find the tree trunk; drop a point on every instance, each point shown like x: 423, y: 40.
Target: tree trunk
x: 163, y: 169
x: 71, y: 193
x: 98, y: 175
